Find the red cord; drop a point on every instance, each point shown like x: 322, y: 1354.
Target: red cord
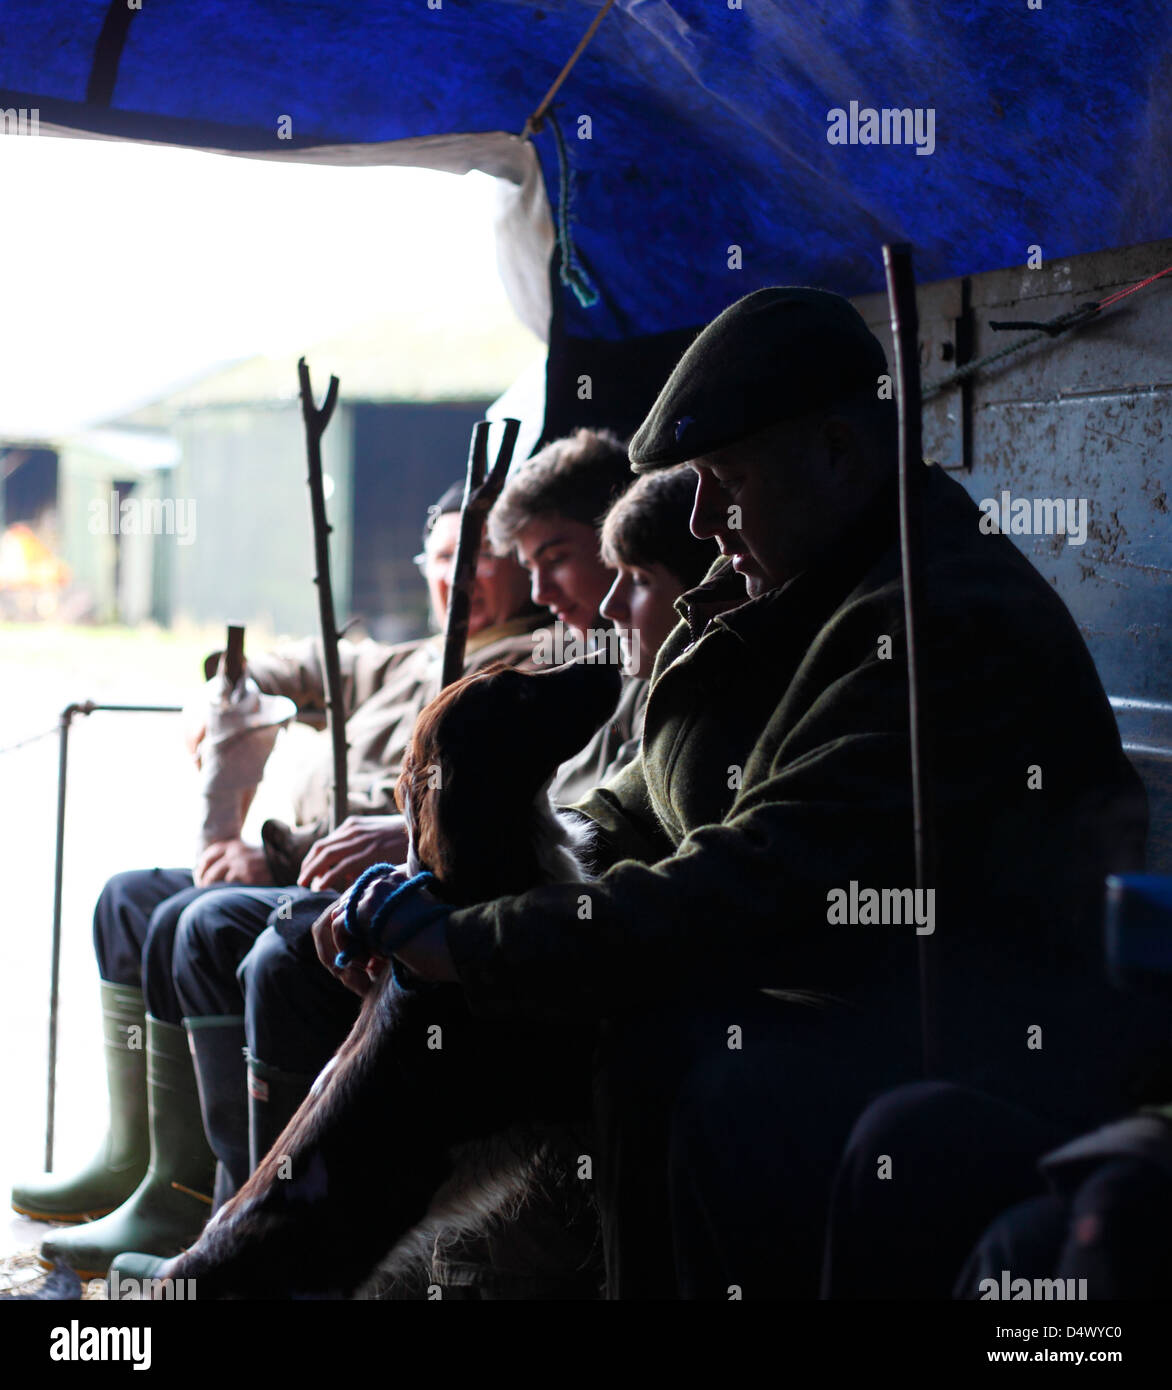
x: 1122, y: 294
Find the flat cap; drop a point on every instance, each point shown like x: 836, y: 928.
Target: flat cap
x: 775, y: 355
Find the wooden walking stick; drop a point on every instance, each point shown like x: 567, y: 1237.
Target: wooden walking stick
x: 315, y: 425
x: 901, y: 296
x: 481, y: 489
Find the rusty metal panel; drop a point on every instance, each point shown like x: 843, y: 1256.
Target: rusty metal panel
x: 1084, y: 417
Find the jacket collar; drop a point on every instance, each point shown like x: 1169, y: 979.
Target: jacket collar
x: 513, y: 628
x: 721, y: 600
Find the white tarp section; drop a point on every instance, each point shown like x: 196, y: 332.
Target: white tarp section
x: 524, y: 225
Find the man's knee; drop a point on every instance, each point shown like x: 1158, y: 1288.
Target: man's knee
x: 899, y: 1117
x: 266, y: 971
x: 214, y: 933
x: 1023, y: 1241
x: 284, y: 952
x: 197, y: 931
x: 122, y: 918
x: 119, y: 888
x: 296, y: 1014
x: 942, y: 1127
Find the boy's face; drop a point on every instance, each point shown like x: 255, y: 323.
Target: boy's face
x: 566, y: 572
x: 640, y: 606
x: 498, y: 592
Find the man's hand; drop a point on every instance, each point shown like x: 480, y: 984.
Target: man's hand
x: 232, y: 861
x: 336, y: 861
x: 425, y: 955
x: 329, y: 940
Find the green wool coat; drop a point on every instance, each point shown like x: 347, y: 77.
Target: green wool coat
x: 774, y: 771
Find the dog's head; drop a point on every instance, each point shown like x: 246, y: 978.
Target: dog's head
x: 480, y: 754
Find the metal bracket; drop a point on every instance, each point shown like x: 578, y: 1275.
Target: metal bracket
x: 951, y: 352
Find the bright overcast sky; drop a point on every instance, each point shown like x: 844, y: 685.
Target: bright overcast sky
x: 132, y: 268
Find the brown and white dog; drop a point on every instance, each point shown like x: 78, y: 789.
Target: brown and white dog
x: 474, y: 790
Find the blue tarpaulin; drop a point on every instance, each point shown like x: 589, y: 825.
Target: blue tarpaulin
x: 708, y: 121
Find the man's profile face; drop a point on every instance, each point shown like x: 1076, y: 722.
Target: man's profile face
x: 775, y: 501
x: 498, y: 591
x: 567, y: 574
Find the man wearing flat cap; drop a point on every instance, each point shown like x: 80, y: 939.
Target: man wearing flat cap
x: 743, y: 971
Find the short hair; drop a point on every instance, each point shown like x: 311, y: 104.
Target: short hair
x: 577, y: 477
x: 648, y: 525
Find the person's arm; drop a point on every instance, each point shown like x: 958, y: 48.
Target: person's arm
x: 614, y: 745
x: 826, y: 800
x: 742, y: 898
x: 336, y: 860
x: 295, y: 670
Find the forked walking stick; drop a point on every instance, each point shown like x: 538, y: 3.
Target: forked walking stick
x: 481, y: 489
x: 315, y: 426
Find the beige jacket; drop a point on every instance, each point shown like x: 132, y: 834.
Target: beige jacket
x: 385, y: 689
x: 608, y: 752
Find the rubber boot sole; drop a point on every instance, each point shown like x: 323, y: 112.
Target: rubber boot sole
x: 65, y: 1218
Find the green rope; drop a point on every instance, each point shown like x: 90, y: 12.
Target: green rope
x: 571, y: 272
x: 1051, y: 330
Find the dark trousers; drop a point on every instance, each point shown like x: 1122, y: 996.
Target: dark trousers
x: 251, y: 951
x: 145, y: 924
x: 926, y: 1168
x: 718, y: 1147
x: 713, y: 1162
x: 1114, y: 1229
x: 135, y: 922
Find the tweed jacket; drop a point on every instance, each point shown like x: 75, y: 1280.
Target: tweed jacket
x: 774, y: 772
x: 385, y: 689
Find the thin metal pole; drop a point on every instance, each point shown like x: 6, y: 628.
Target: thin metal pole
x: 55, y: 967
x: 63, y: 723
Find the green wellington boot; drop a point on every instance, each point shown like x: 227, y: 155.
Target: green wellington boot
x: 273, y: 1099
x: 131, y: 1274
x: 119, y: 1165
x: 169, y: 1207
x: 217, y: 1049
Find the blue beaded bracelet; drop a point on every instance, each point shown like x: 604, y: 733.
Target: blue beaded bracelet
x: 350, y: 925
x: 410, y: 911
x: 412, y: 915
